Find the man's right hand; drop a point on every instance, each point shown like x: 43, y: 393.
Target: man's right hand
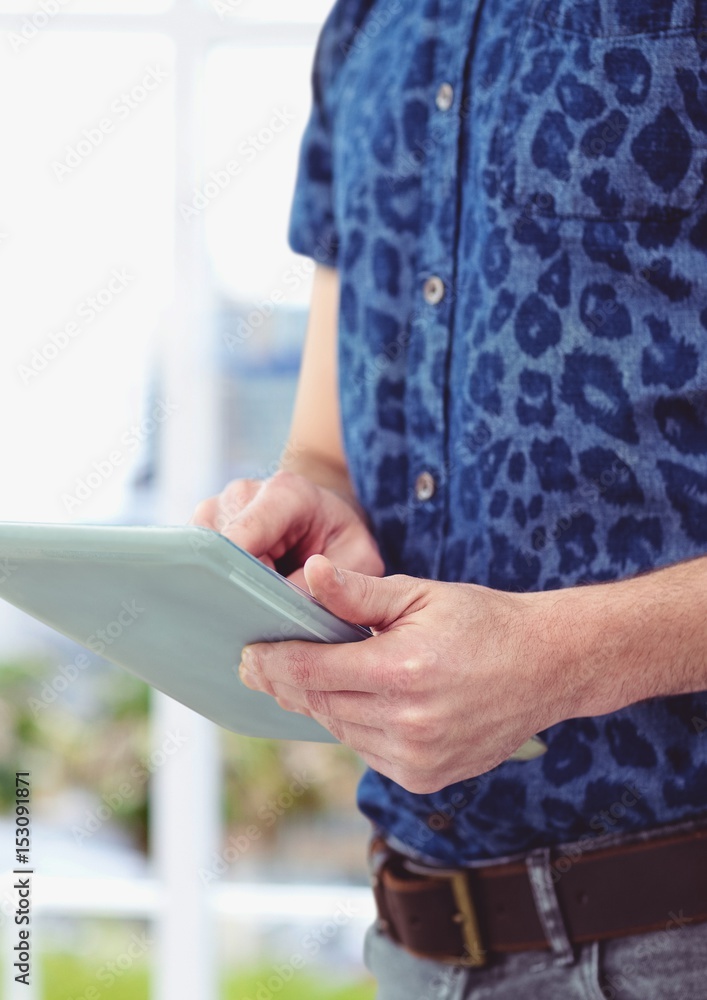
x: 288, y: 518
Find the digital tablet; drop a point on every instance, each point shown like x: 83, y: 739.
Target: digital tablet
x: 175, y: 607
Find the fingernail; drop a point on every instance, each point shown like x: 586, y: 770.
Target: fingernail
x: 247, y: 678
x: 340, y: 578
x: 246, y: 670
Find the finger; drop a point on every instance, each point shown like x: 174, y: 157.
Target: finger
x: 359, y: 554
x: 298, y: 579
x: 205, y: 513
x: 218, y: 511
x: 348, y: 706
x: 276, y: 517
x: 368, y: 600
x: 354, y: 549
x: 313, y: 666
x: 376, y: 763
x: 362, y: 739
x: 233, y: 499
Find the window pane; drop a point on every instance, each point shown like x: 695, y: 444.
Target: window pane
x: 86, y: 261
x: 42, y: 12
x: 257, y: 103
x: 311, y: 11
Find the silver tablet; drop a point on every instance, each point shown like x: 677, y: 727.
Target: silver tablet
x: 175, y: 607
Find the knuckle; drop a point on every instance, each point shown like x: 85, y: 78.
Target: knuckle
x: 420, y: 782
x: 336, y: 729
x: 240, y: 487
x: 289, y: 481
x: 318, y: 702
x: 203, y: 513
x: 236, y: 497
x: 412, y: 674
x: 238, y: 515
x: 301, y: 668
x: 366, y: 594
x: 419, y: 725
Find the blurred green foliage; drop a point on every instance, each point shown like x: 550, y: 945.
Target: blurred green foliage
x: 94, y: 735
x: 88, y: 738
x: 67, y: 978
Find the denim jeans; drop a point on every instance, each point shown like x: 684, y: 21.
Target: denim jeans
x: 668, y: 964
x: 665, y: 965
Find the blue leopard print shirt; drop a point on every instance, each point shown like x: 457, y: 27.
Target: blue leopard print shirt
x: 523, y: 264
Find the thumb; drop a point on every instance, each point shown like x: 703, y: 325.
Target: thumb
x: 366, y: 600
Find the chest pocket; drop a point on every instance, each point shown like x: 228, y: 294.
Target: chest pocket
x: 606, y: 117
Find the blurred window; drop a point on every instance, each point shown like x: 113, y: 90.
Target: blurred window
x: 87, y: 238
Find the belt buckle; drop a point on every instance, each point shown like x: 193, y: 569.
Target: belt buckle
x: 475, y: 956
x: 467, y: 918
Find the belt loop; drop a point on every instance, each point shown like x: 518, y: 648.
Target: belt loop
x: 548, y: 907
x: 378, y: 856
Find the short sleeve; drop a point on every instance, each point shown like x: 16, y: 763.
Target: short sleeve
x: 312, y: 229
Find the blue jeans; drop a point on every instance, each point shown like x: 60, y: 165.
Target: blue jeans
x: 665, y: 965
x: 668, y: 964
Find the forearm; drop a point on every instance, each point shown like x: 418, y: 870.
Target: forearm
x: 316, y: 449
x: 640, y: 638
x: 321, y: 470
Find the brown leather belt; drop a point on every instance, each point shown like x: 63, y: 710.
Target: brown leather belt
x: 464, y: 916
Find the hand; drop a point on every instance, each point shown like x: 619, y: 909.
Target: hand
x: 453, y: 681
x: 284, y: 520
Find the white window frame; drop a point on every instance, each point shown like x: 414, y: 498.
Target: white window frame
x: 185, y: 796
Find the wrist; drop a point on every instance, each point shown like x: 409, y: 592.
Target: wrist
x: 589, y: 640
x: 327, y: 474
x: 614, y: 644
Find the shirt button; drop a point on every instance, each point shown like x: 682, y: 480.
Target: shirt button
x: 433, y: 290
x: 445, y: 97
x: 425, y: 486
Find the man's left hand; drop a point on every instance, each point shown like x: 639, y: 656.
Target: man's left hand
x: 454, y: 680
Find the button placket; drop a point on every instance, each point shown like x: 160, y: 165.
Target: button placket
x: 435, y: 275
